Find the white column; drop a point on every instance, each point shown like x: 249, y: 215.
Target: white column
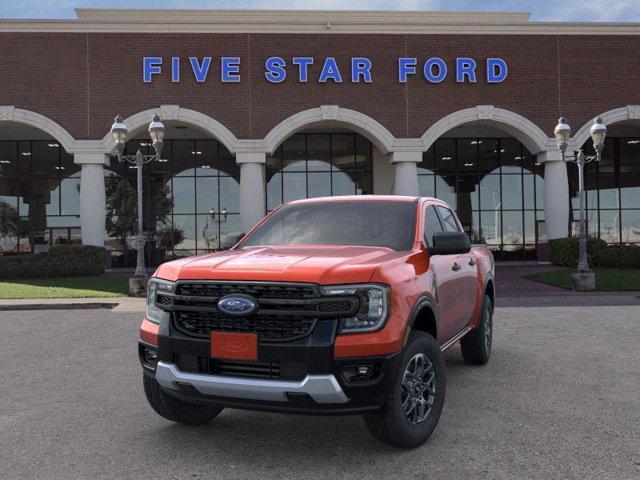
x: 92, y: 197
x: 252, y: 188
x: 556, y: 194
x: 406, y: 172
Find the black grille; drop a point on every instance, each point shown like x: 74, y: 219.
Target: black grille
x: 267, y: 327
x: 335, y: 307
x: 286, y: 311
x: 257, y: 290
x: 230, y: 368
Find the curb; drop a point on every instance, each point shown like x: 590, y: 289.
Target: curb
x: 58, y: 306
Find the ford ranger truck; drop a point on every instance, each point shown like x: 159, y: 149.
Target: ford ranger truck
x: 330, y: 306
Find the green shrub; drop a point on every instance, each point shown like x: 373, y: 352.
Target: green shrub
x: 61, y: 261
x: 564, y: 252
x: 620, y: 256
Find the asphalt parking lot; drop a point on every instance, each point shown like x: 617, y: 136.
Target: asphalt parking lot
x: 559, y: 399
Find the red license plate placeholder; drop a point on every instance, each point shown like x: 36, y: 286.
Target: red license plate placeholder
x: 234, y: 346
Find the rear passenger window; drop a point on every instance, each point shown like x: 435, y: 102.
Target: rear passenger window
x: 431, y: 224
x: 449, y: 223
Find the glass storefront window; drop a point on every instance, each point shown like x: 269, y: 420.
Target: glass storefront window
x: 512, y: 191
x: 191, y: 198
x: 309, y: 165
x: 629, y: 155
x: 39, y: 195
x: 630, y: 191
x: 426, y: 183
x: 495, y: 187
x: 612, y: 191
x: 610, y: 226
x: 630, y: 223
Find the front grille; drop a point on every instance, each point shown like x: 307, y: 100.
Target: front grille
x: 286, y: 311
x: 257, y: 290
x: 229, y: 368
x: 267, y: 327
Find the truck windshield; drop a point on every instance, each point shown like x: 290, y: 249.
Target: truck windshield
x: 364, y: 223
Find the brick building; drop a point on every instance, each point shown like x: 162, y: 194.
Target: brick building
x: 263, y: 107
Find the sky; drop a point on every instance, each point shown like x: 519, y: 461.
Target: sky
x: 542, y: 10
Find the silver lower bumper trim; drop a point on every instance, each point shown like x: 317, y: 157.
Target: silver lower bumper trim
x: 321, y: 388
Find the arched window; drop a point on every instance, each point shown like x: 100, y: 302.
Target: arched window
x: 612, y: 188
x: 495, y: 187
x: 39, y: 195
x: 318, y: 165
x: 191, y: 199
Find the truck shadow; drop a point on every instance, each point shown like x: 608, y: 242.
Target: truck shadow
x: 268, y: 435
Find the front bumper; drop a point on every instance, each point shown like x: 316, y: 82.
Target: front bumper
x: 307, y: 379
x: 320, y: 388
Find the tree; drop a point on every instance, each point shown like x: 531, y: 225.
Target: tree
x: 9, y: 225
x: 122, y: 210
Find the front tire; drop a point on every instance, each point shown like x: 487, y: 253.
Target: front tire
x: 476, y: 345
x: 174, y: 409
x: 414, y: 405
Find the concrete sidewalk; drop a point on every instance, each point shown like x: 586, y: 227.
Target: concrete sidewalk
x: 117, y: 304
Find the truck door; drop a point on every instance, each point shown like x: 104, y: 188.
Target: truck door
x: 465, y: 282
x: 445, y: 280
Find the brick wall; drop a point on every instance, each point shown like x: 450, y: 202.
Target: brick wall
x: 81, y: 80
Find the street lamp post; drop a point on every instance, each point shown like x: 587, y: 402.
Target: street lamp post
x: 598, y: 133
x: 156, y: 132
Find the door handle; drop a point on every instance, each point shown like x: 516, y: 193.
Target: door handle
x: 456, y: 267
x: 472, y: 262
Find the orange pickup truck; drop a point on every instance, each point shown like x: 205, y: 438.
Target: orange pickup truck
x: 338, y: 305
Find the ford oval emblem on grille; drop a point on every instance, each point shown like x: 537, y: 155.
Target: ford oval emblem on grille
x: 237, y: 305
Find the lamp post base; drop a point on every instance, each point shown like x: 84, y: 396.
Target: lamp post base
x: 583, y: 281
x: 138, y: 286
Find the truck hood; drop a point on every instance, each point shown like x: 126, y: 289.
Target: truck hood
x: 317, y: 264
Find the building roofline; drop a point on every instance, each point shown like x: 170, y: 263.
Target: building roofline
x: 310, y: 21
x: 221, y: 15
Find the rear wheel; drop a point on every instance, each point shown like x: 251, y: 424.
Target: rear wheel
x: 174, y: 409
x: 476, y: 345
x: 413, y: 408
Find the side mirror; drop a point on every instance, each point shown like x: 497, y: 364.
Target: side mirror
x: 450, y: 243
x: 231, y: 239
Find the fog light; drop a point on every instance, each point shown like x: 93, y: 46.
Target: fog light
x: 361, y: 373
x: 150, y: 357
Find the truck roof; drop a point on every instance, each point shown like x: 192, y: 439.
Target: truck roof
x: 357, y: 198
x: 362, y: 198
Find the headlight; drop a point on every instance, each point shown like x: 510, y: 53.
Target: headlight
x: 154, y: 313
x: 374, y: 306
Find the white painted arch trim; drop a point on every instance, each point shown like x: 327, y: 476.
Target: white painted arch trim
x: 617, y: 115
x: 9, y: 113
x: 512, y: 123
x: 177, y: 113
x: 382, y: 138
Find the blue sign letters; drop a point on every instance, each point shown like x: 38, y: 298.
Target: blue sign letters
x: 275, y: 69
x: 303, y: 67
x: 361, y: 69
x: 406, y: 66
x: 428, y: 70
x: 200, y: 70
x: 150, y: 66
x: 496, y: 70
x: 330, y: 71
